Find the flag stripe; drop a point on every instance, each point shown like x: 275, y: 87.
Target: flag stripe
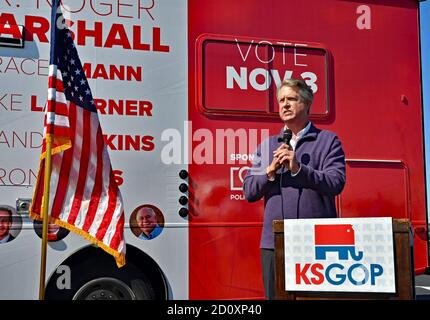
x: 60, y: 192
x: 104, y: 195
x: 95, y: 196
x: 91, y: 172
x: 61, y: 131
x: 116, y: 239
x: 80, y: 186
x: 58, y: 96
x: 52, y: 83
x: 55, y: 174
x: 74, y: 168
x: 58, y: 120
x: 118, y: 212
x: 112, y: 199
x: 60, y: 108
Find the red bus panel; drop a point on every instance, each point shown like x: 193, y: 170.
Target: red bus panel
x: 375, y: 107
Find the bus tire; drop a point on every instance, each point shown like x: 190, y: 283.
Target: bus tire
x: 101, y: 279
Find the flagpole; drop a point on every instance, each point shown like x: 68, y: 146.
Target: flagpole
x: 48, y: 152
x: 45, y: 208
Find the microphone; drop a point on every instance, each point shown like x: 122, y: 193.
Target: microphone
x: 286, y: 136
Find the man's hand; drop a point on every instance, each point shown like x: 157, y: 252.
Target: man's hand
x: 286, y: 156
x: 272, y: 168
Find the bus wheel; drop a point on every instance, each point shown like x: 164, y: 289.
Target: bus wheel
x: 105, y: 289
x: 101, y: 279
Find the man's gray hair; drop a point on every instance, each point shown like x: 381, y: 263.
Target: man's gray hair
x: 148, y: 209
x: 305, y: 92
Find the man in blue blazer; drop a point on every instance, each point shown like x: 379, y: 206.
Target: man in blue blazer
x: 298, y: 173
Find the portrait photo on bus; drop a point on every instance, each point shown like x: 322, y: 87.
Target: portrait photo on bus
x: 55, y: 233
x: 10, y: 224
x: 147, y: 222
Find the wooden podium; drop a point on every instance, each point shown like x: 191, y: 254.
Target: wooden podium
x: 404, y: 268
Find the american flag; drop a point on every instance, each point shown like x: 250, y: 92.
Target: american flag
x: 84, y: 196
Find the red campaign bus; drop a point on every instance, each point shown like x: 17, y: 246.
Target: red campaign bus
x: 185, y: 92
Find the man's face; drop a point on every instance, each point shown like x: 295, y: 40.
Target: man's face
x: 292, y: 108
x: 53, y: 228
x: 147, y: 220
x: 5, y: 223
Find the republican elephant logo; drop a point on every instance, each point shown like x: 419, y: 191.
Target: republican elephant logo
x: 339, y: 238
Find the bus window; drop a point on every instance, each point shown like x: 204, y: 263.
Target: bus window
x: 239, y: 76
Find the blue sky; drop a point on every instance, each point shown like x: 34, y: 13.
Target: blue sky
x: 425, y: 47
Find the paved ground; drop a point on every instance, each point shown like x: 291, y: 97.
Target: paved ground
x: 422, y: 287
